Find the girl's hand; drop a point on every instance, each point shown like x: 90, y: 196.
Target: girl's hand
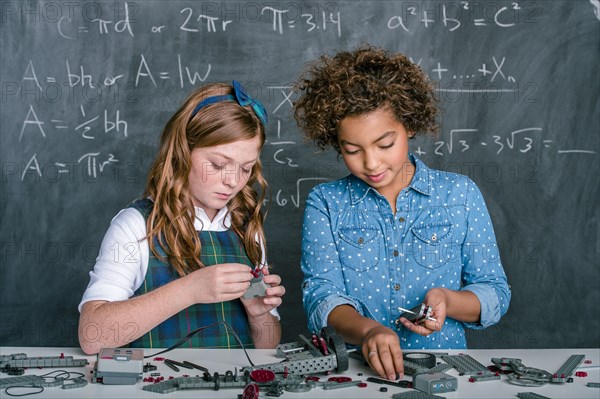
x: 436, y: 298
x: 256, y: 307
x: 381, y: 348
x: 219, y: 283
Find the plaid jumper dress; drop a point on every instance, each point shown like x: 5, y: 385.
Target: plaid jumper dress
x: 217, y: 247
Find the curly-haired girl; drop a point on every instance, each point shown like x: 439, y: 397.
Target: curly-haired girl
x: 183, y: 256
x: 394, y: 234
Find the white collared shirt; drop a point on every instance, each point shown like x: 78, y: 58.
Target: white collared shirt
x: 122, y: 263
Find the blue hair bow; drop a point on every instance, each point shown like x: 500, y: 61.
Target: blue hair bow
x: 241, y: 97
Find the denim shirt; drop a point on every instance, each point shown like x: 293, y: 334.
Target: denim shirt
x: 356, y: 252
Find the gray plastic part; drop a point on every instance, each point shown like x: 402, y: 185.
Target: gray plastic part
x: 567, y: 369
x: 25, y: 380
x: 531, y: 395
x: 121, y: 366
x: 433, y: 383
x: 415, y: 395
x: 257, y: 288
x: 464, y: 364
x: 21, y: 360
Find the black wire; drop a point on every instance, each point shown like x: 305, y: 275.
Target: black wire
x: 192, y: 333
x: 41, y: 389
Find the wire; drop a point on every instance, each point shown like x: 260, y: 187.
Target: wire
x: 41, y: 389
x: 192, y: 333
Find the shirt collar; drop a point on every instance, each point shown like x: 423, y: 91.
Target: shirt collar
x: 221, y: 221
x: 420, y: 182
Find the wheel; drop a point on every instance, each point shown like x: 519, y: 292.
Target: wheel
x: 337, y: 345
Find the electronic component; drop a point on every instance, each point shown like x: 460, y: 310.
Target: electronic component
x: 119, y: 366
x: 417, y: 315
x: 433, y: 383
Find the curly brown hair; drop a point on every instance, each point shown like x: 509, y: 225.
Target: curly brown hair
x: 358, y: 82
x: 172, y: 218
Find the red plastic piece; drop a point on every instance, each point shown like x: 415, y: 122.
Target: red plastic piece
x: 250, y: 392
x: 587, y: 361
x: 362, y: 384
x: 580, y: 374
x: 340, y: 379
x: 159, y: 359
x: 312, y: 378
x: 262, y: 375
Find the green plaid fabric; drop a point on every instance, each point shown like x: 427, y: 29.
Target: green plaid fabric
x: 217, y: 247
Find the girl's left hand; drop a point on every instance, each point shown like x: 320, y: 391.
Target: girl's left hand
x: 436, y: 298
x: 256, y: 307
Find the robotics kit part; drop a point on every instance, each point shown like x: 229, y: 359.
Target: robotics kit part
x: 415, y: 395
x: 20, y: 360
x: 531, y: 395
x: 119, y: 366
x: 423, y: 359
x: 304, y: 357
x: 417, y: 315
x: 435, y: 383
x: 257, y: 286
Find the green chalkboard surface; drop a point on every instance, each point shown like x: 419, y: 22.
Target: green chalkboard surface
x: 88, y: 86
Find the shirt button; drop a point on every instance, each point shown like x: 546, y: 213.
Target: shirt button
x: 395, y: 252
x: 397, y: 287
x: 361, y: 240
x: 401, y: 219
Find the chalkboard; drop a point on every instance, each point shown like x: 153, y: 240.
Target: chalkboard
x: 88, y: 86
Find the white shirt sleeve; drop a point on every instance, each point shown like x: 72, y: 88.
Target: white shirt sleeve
x: 122, y: 263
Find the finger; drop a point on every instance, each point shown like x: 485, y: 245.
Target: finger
x: 272, y: 302
x: 272, y: 279
x: 387, y: 362
x: 236, y: 287
x: 372, y: 357
x: 416, y: 328
x: 265, y: 270
x: 277, y: 291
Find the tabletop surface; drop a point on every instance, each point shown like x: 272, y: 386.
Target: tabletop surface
x: 222, y: 360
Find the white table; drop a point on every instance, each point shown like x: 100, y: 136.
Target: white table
x: 220, y: 360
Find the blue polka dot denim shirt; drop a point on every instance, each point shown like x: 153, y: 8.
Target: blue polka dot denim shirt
x: 355, y: 251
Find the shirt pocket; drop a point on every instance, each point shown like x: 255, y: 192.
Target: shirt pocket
x: 432, y: 244
x: 359, y: 247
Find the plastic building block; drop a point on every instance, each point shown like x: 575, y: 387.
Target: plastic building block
x: 338, y: 385
x: 484, y: 376
x: 465, y: 364
x: 73, y: 384
x: 303, y: 357
x: 567, y: 369
x: 531, y: 395
x: 257, y: 286
x: 399, y: 384
x: 415, y: 395
x: 593, y: 384
x: 119, y: 366
x: 20, y: 360
x: 26, y: 380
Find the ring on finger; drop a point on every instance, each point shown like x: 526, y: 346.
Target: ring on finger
x: 372, y: 353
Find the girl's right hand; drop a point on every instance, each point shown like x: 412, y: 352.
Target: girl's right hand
x: 219, y: 283
x: 381, y: 348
